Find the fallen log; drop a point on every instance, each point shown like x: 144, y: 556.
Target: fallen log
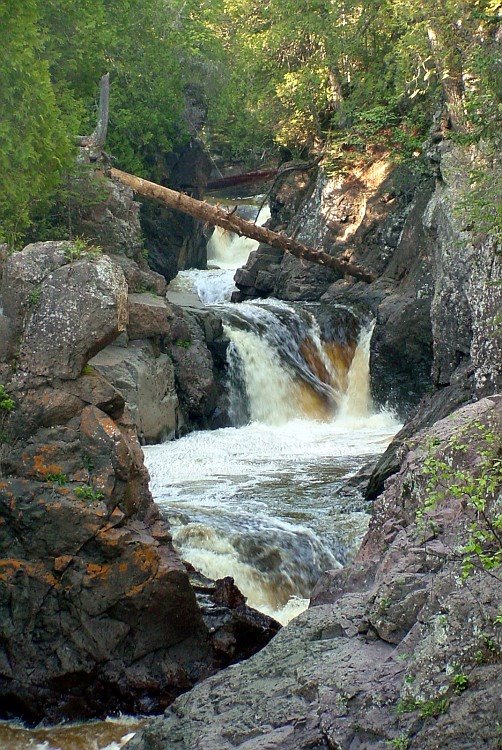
x: 241, y: 179
x: 219, y: 217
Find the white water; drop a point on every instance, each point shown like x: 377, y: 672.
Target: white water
x: 254, y: 502
x: 258, y: 502
x: 226, y: 252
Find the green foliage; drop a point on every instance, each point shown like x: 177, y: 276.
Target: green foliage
x: 58, y: 478
x: 81, y: 189
x: 479, y: 489
x: 433, y: 707
x: 399, y: 743
x: 34, y: 132
x: 460, y: 683
x: 86, y: 492
x: 80, y: 248
x: 481, y: 202
x: 183, y: 343
x: 34, y: 296
x: 357, y: 75
x: 360, y: 77
x: 52, y: 56
x: 7, y: 404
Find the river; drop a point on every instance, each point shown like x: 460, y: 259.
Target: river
x: 261, y: 500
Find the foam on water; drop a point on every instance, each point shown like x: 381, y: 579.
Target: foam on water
x: 251, y: 502
x: 111, y: 734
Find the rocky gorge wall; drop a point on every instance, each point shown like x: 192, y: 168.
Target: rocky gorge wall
x: 98, y: 613
x: 401, y: 648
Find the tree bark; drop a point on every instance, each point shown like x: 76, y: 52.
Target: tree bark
x: 98, y: 138
x: 230, y: 221
x: 448, y: 63
x: 241, y: 179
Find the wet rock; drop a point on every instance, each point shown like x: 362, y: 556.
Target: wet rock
x: 197, y: 382
x: 81, y: 308
x: 396, y: 633
x: 257, y: 278
x: 302, y: 280
x: 236, y: 630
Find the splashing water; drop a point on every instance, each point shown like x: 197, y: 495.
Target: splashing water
x: 226, y: 252
x: 229, y: 251
x: 253, y: 501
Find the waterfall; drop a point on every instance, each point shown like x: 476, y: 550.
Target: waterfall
x: 229, y: 251
x: 226, y: 252
x: 262, y: 501
x: 282, y: 366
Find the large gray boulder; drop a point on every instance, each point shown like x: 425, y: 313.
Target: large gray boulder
x: 23, y: 274
x: 149, y: 316
x: 196, y: 378
x: 80, y: 308
x: 146, y: 382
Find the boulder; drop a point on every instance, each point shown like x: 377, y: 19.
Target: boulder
x: 97, y: 613
x: 108, y: 215
x: 6, y: 338
x: 257, y: 277
x: 149, y: 316
x: 81, y: 308
x: 302, y: 280
x: 23, y: 274
x: 196, y: 380
x: 139, y: 278
x: 145, y: 380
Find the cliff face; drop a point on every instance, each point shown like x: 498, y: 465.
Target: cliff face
x: 436, y: 295
x: 401, y: 648
x: 465, y: 300
x: 176, y: 241
x: 373, y: 217
x: 97, y: 612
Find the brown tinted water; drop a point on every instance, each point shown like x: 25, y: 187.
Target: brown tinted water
x: 111, y: 734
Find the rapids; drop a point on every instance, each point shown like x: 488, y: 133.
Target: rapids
x: 261, y: 500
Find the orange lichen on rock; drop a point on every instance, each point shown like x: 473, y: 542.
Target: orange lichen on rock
x: 40, y: 465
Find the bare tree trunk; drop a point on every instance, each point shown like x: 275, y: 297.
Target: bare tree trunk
x: 230, y: 221
x: 241, y: 179
x: 97, y: 139
x: 448, y: 64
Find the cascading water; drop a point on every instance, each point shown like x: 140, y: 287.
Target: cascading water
x: 225, y: 253
x: 260, y: 501
x: 256, y: 501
